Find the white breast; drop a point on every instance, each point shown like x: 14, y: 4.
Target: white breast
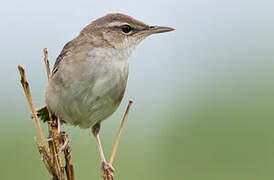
x: 86, y: 92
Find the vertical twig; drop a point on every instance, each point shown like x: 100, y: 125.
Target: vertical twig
x: 45, y: 157
x: 114, y: 150
x: 67, y: 154
x: 46, y: 60
x: 26, y: 88
x: 52, y: 124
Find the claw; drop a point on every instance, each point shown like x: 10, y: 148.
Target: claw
x: 65, y: 145
x: 55, y: 138
x: 63, y: 139
x: 107, y: 171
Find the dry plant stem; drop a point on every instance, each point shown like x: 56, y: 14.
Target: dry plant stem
x: 114, y: 150
x: 45, y: 159
x: 33, y: 111
x: 44, y: 149
x: 53, y: 130
x: 67, y: 150
x: 58, y: 138
x: 56, y: 157
x: 46, y: 60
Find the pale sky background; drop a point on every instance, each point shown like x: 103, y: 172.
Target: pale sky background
x: 213, y: 42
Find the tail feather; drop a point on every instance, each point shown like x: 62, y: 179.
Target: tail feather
x: 43, y: 114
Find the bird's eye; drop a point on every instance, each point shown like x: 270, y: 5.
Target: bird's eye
x: 126, y: 28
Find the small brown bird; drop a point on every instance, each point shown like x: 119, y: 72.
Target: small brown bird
x: 90, y: 75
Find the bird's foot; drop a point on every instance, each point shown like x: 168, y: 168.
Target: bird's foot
x: 107, y: 171
x: 57, y: 137
x: 63, y: 139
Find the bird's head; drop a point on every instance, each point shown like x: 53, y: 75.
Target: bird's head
x: 121, y: 31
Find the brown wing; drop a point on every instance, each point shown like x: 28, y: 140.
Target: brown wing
x: 63, y: 53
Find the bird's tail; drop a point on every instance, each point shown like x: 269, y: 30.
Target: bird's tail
x: 43, y: 114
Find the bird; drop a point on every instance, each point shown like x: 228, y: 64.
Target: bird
x: 89, y: 77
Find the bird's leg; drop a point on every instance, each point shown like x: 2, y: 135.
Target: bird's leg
x: 59, y: 131
x: 60, y: 136
x: 107, y: 169
x: 59, y: 126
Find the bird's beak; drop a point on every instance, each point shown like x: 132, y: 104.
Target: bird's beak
x: 159, y: 29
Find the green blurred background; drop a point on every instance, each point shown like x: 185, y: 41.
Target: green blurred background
x: 203, y: 94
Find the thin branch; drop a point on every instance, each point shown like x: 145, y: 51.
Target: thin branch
x: 46, y: 60
x: 53, y: 131
x: 114, y: 150
x: 44, y: 156
x: 67, y: 154
x: 26, y: 88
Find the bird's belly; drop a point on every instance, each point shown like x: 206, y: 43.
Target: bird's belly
x: 85, y: 103
x: 89, y: 108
